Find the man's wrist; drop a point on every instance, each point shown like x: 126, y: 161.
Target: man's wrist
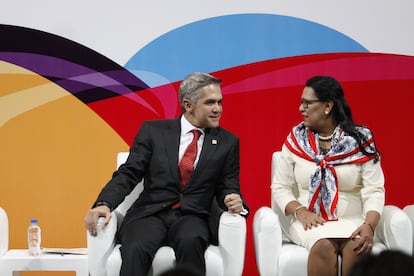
x: 103, y: 203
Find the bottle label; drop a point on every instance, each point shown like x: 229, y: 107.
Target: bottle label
x: 34, y: 239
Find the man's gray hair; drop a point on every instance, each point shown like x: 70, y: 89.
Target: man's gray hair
x: 191, y: 87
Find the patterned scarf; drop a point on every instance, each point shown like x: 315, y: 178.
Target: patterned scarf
x: 323, y: 184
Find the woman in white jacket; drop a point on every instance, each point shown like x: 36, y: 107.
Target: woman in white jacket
x: 335, y: 166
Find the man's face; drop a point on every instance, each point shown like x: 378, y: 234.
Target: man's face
x: 206, y: 112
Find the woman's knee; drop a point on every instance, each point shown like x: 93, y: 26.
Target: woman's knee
x: 325, y: 248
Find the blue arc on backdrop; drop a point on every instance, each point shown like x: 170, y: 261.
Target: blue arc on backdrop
x: 227, y: 41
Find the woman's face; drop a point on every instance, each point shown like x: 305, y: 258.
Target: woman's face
x: 312, y: 109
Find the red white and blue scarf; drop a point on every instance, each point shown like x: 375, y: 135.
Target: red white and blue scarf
x: 323, y: 184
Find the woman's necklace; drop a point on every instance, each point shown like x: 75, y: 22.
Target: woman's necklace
x: 326, y: 138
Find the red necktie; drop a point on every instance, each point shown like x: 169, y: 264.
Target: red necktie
x: 186, y: 165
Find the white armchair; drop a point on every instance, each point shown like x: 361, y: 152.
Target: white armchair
x: 277, y: 255
x: 4, y: 232
x: 409, y: 210
x: 227, y: 258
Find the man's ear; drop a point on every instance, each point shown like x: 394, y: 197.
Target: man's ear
x: 187, y: 105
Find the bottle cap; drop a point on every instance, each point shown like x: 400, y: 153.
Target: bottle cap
x: 33, y: 221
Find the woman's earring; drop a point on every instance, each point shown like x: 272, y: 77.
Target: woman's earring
x: 326, y: 112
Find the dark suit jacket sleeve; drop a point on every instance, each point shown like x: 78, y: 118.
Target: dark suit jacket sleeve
x: 229, y: 180
x: 131, y: 173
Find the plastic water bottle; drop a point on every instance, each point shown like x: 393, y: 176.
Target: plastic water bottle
x: 34, y: 238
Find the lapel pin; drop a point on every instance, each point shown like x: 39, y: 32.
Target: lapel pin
x: 214, y: 142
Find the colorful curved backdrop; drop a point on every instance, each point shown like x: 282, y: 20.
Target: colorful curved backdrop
x: 67, y: 109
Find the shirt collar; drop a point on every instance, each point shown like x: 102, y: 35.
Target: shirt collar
x: 186, y: 126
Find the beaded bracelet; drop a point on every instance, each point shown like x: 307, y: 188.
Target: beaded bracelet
x: 297, y: 209
x: 370, y: 226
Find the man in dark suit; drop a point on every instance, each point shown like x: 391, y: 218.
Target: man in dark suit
x: 168, y: 212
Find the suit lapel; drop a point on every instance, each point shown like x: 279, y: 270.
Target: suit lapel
x: 210, y: 144
x: 172, y: 142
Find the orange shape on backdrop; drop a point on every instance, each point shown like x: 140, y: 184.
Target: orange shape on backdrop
x: 56, y: 155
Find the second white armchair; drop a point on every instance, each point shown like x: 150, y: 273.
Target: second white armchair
x: 277, y: 255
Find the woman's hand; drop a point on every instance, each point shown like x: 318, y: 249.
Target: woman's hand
x: 308, y: 218
x: 363, y: 238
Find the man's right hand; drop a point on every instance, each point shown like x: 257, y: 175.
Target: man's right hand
x: 91, y: 219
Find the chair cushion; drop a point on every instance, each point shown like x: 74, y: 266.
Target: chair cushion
x: 293, y: 260
x: 164, y: 259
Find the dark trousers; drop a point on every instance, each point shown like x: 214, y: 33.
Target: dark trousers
x: 187, y: 234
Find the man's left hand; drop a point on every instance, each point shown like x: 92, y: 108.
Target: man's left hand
x: 234, y: 203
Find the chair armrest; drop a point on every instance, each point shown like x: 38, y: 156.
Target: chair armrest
x: 267, y: 240
x: 232, y: 242
x: 4, y: 232
x: 101, y: 245
x: 409, y: 210
x: 395, y: 230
